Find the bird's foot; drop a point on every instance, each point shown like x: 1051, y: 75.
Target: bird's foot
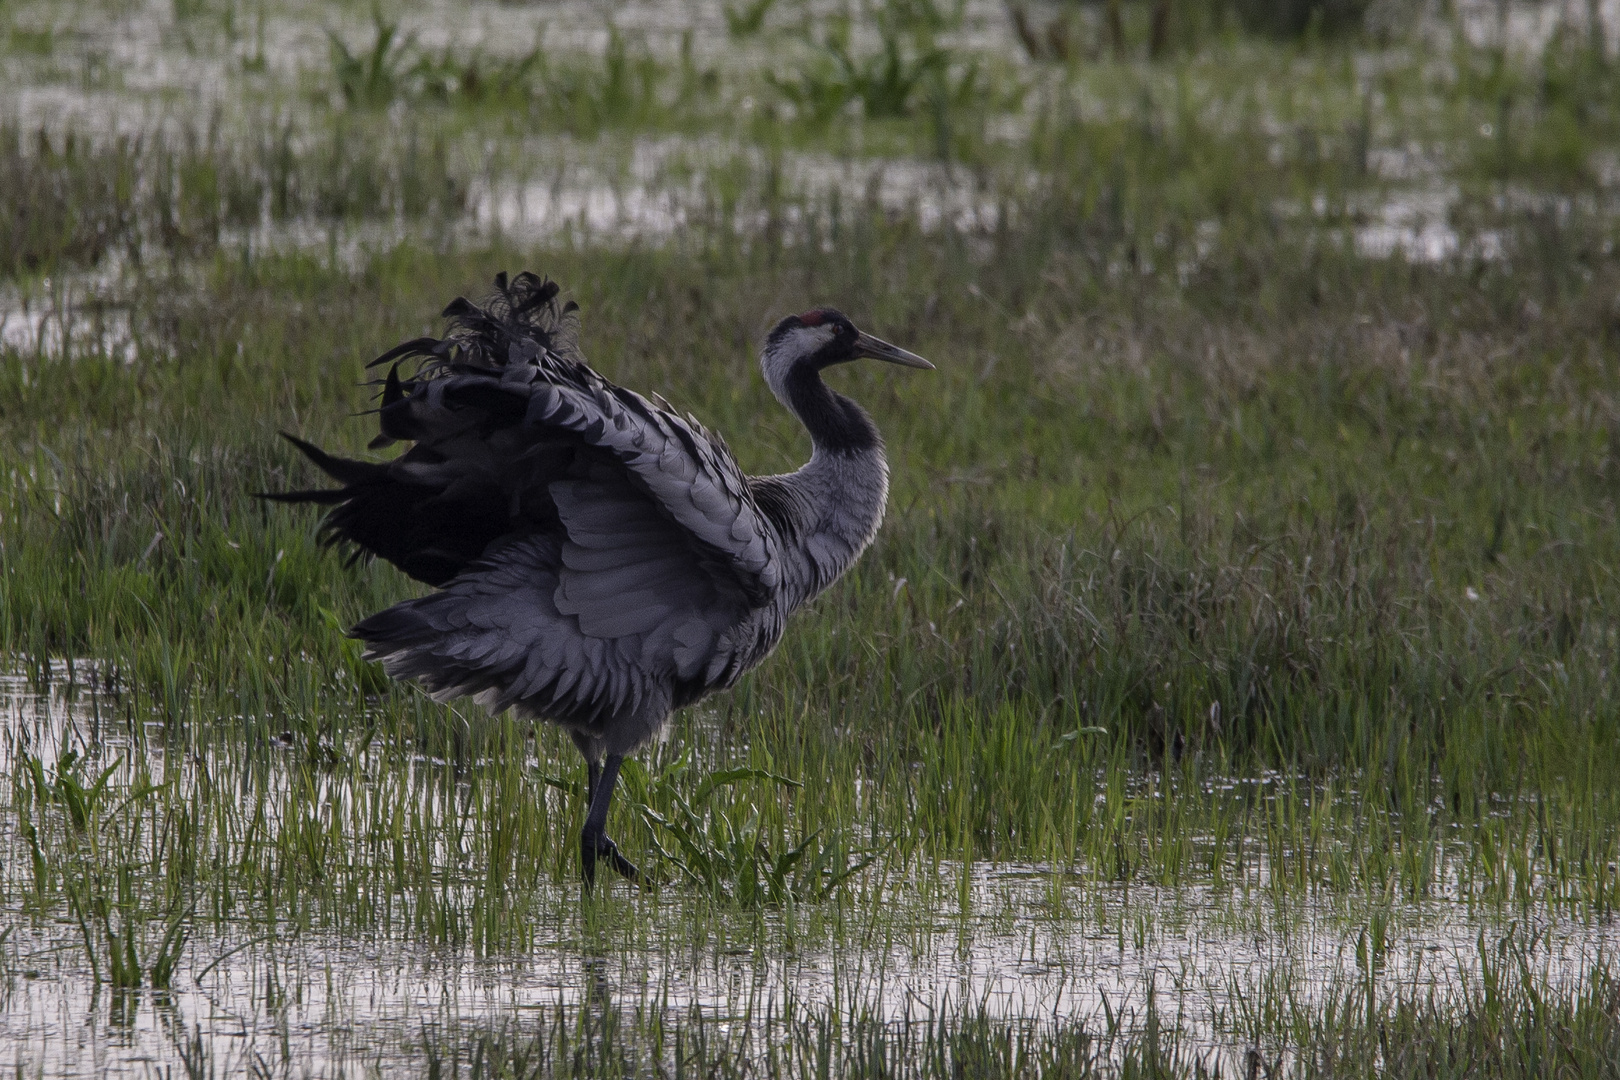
x: 592, y: 848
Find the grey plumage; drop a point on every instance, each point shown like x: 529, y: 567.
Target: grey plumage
x: 600, y: 559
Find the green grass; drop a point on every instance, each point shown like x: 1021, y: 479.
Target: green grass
x: 1514, y: 1034
x: 1220, y: 560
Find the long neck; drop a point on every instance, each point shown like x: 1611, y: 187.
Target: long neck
x: 830, y: 509
x: 836, y: 424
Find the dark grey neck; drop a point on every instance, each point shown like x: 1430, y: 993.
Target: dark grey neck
x: 827, y: 511
x: 835, y: 423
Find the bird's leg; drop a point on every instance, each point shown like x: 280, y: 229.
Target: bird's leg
x: 593, y: 765
x: 593, y: 772
x: 593, y: 839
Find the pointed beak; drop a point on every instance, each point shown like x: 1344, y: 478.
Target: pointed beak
x: 878, y: 349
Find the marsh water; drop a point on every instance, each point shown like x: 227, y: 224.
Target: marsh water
x: 136, y: 74
x: 1010, y: 941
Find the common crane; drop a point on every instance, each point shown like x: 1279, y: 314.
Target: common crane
x: 599, y: 560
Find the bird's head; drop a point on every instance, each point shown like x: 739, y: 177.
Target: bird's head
x: 821, y: 338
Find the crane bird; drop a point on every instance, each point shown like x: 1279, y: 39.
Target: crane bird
x: 598, y: 560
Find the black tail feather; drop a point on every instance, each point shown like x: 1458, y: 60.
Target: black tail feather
x: 393, y: 417
x: 409, y: 348
x: 543, y: 292
x: 325, y: 496
x: 433, y: 528
x: 392, y: 389
x: 343, y: 470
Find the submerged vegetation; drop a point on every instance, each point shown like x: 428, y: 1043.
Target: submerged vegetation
x: 1249, y: 567
x: 75, y: 202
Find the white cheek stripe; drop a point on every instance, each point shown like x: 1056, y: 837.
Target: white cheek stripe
x: 808, y: 339
x: 796, y: 344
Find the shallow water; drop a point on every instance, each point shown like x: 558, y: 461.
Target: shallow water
x: 143, y: 68
x: 1019, y: 941
x: 658, y: 184
x: 67, y: 317
x: 319, y: 1001
x: 107, y: 65
x: 1416, y: 225
x: 1528, y: 27
x: 108, y: 68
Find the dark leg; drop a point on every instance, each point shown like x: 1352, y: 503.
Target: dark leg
x: 593, y: 770
x: 593, y: 839
x: 593, y: 764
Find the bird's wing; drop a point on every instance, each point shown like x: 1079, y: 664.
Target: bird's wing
x: 657, y: 534
x: 504, y: 633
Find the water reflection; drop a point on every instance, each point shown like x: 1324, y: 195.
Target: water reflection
x: 318, y: 1001
x: 1017, y: 941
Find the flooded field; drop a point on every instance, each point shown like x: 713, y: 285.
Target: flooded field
x: 326, y: 1004
x: 1231, y: 689
x: 915, y: 942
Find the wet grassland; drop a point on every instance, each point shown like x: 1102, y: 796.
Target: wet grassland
x: 1232, y: 686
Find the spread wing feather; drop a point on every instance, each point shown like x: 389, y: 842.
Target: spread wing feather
x: 591, y: 545
x: 497, y: 633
